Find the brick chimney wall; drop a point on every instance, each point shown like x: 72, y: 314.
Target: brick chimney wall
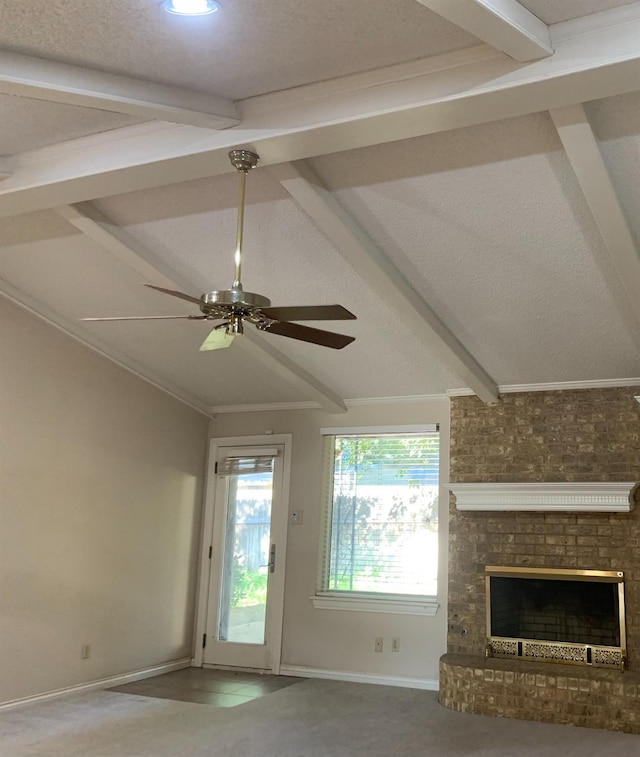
x: 581, y: 435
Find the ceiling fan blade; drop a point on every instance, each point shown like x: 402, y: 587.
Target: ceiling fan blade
x: 308, y: 334
x: 218, y: 339
x: 309, y: 313
x: 150, y: 318
x: 175, y: 293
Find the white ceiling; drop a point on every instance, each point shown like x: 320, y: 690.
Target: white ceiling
x: 502, y: 247
x: 249, y: 48
x: 554, y: 11
x: 478, y: 208
x: 29, y: 124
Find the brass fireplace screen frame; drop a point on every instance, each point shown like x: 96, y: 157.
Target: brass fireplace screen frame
x: 569, y: 653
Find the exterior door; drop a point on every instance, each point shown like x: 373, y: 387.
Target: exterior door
x: 244, y: 616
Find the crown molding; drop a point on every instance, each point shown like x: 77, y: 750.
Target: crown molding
x: 356, y: 402
x: 554, y: 386
x: 417, y: 398
x: 75, y: 332
x: 590, y: 497
x: 408, y: 399
x: 265, y: 407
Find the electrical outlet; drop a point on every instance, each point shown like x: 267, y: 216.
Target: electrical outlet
x: 296, y: 518
x: 85, y: 651
x: 395, y: 644
x: 377, y: 646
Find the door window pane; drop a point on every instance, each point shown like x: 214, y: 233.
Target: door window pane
x: 245, y: 572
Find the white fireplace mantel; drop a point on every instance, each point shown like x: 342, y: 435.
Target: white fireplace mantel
x: 589, y: 497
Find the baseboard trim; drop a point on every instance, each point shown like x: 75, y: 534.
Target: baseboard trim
x: 347, y: 675
x: 102, y: 683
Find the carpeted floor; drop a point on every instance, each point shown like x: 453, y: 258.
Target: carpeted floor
x: 314, y: 718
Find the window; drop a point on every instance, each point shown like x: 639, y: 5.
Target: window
x: 380, y: 534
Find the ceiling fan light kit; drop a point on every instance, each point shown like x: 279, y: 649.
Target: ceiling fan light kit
x: 235, y: 306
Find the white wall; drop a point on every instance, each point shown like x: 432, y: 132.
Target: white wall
x: 342, y: 640
x: 100, y: 504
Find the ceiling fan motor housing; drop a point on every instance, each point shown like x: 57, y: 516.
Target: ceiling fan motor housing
x: 236, y: 300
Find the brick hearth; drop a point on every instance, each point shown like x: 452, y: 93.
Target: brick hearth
x: 585, y: 435
x: 567, y: 694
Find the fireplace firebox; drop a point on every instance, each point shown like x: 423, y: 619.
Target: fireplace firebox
x: 555, y: 615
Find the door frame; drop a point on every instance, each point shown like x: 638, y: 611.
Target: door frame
x: 279, y: 523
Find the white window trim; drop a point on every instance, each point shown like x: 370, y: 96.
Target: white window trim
x: 391, y: 605
x: 425, y: 605
x: 422, y: 428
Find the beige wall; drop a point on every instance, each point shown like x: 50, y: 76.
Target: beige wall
x: 339, y: 640
x: 100, y: 501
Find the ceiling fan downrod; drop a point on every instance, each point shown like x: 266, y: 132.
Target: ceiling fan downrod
x: 235, y: 306
x: 243, y: 161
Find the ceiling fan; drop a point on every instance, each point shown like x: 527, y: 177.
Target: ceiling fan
x: 233, y: 307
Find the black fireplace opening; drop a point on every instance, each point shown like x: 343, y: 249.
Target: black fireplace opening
x: 581, y: 612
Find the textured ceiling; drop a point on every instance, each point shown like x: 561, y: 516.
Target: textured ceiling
x: 488, y: 223
x: 76, y: 278
x: 616, y: 122
x: 503, y: 248
x: 290, y: 262
x: 250, y: 47
x: 554, y: 11
x: 28, y: 124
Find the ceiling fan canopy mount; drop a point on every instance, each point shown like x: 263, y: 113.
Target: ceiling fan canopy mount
x: 243, y: 160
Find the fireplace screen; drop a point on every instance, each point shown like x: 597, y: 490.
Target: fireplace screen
x: 572, y: 616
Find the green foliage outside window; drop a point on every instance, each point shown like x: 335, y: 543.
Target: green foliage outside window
x: 384, y: 514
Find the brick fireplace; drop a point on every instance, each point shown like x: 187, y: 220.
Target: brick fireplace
x: 572, y: 436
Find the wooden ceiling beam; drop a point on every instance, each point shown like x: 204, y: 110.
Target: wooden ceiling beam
x: 381, y: 274
x: 593, y: 59
x: 503, y: 24
x: 47, y: 80
x: 93, y: 224
x: 583, y: 151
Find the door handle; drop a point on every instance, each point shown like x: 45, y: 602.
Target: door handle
x: 272, y: 560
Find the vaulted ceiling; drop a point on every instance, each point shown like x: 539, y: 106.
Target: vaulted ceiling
x: 462, y: 176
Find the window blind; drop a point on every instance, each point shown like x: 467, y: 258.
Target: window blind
x: 236, y: 466
x: 380, y: 503
x: 326, y: 498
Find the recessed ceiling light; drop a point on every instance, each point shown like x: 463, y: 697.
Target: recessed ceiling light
x: 191, y: 7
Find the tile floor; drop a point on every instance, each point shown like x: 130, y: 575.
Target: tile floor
x: 218, y: 688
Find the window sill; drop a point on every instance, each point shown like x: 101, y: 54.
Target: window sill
x: 400, y: 606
